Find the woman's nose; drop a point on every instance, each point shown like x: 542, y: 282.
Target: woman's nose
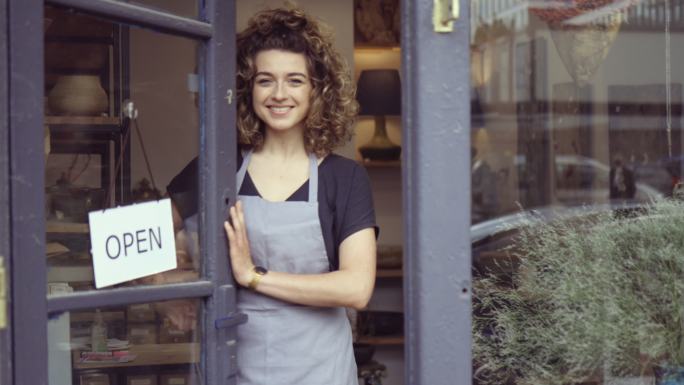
x: 280, y: 91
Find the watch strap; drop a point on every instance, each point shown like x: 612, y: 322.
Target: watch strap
x: 257, y: 273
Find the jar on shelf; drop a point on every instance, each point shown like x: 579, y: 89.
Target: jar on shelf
x: 78, y: 95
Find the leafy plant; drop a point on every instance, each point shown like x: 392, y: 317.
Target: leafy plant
x: 603, y: 290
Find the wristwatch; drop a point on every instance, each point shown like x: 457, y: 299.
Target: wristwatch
x: 257, y: 273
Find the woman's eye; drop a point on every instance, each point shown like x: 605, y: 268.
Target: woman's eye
x: 264, y: 82
x: 296, y: 82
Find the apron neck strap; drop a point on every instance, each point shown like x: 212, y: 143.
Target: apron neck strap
x: 313, y: 178
x: 246, y: 156
x: 313, y: 174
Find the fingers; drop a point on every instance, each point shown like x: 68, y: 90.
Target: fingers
x: 236, y: 228
x: 237, y: 218
x: 230, y: 232
x: 240, y: 213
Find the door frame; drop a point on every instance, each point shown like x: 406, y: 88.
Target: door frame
x: 26, y: 161
x: 6, y: 333
x: 216, y: 30
x: 436, y: 168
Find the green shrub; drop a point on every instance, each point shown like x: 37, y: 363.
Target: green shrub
x: 592, y: 292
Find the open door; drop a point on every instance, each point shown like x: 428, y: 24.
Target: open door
x: 110, y: 101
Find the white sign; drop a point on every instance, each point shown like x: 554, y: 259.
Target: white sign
x: 132, y: 242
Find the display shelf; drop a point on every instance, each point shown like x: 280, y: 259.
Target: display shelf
x: 377, y: 48
x: 83, y: 120
x: 389, y: 273
x: 380, y: 163
x: 381, y: 340
x: 56, y: 227
x: 71, y: 274
x: 90, y: 316
x: 147, y: 355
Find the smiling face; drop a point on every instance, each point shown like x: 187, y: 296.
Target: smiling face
x: 282, y: 89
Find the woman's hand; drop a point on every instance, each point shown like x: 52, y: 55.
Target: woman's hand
x: 240, y: 257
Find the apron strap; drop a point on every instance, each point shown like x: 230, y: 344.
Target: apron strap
x: 246, y: 156
x: 313, y: 175
x: 313, y: 178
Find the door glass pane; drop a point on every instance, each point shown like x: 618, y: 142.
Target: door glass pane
x: 98, y: 156
x: 185, y: 8
x: 576, y: 130
x: 143, y: 344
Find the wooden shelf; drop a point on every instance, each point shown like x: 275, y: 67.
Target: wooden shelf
x: 90, y: 316
x: 377, y: 48
x: 56, y: 227
x: 380, y: 163
x: 83, y: 120
x: 389, y: 273
x: 381, y: 340
x: 146, y: 355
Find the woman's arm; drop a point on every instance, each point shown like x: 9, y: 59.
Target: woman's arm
x: 350, y: 286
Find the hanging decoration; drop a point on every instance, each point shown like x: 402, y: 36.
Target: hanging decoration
x: 583, y: 32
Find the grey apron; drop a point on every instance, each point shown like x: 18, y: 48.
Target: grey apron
x: 285, y: 343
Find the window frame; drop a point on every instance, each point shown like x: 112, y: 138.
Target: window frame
x: 436, y: 168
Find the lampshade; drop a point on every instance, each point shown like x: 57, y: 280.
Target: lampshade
x: 379, y: 92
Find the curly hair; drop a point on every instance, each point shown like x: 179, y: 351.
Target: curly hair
x: 333, y: 106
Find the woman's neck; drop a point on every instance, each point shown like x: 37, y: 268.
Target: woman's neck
x: 284, y: 144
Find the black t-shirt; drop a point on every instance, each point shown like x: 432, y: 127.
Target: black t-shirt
x: 345, y: 201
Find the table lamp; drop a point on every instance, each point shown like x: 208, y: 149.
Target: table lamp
x: 379, y: 94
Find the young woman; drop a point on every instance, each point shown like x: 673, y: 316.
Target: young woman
x: 302, y: 235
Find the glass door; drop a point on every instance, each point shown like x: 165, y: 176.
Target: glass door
x: 132, y: 114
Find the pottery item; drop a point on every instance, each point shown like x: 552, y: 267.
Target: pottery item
x: 74, y: 203
x: 78, y: 95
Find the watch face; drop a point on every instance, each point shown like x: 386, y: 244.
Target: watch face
x: 260, y: 270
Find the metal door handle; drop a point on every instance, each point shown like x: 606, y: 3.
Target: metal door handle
x: 233, y: 319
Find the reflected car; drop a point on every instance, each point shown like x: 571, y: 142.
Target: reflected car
x: 580, y: 180
x: 662, y: 174
x: 490, y: 238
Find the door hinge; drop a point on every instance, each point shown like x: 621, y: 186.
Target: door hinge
x: 444, y: 12
x: 3, y: 294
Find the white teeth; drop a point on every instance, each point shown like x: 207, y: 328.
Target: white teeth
x: 280, y: 110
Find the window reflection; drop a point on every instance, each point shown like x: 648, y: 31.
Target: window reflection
x: 574, y: 103
x: 576, y: 108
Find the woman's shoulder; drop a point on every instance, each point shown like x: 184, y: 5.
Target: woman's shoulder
x: 339, y: 165
x: 341, y: 176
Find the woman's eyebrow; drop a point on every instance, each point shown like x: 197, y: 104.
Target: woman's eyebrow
x: 290, y: 74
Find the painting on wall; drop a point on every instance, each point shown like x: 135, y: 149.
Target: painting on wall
x: 377, y: 23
